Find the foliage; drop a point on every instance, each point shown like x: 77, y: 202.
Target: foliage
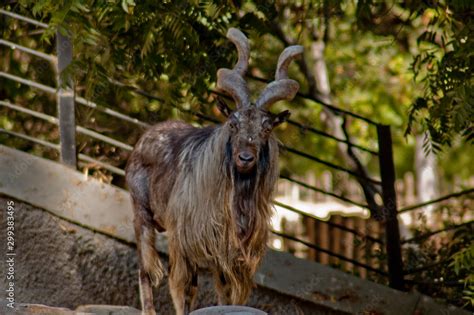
x: 449, y: 255
x: 463, y: 265
x: 173, y: 49
x: 444, y: 64
x: 439, y: 35
x: 135, y: 43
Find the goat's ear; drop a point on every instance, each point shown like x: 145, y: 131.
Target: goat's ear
x: 223, y: 108
x: 281, y: 117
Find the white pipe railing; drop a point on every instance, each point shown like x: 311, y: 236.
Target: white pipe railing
x: 23, y: 18
x: 56, y: 147
x: 40, y: 54
x: 79, y: 129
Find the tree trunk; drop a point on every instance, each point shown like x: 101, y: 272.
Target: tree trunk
x: 426, y: 179
x: 320, y: 89
x: 320, y: 72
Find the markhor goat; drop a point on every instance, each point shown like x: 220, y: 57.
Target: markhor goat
x: 210, y: 189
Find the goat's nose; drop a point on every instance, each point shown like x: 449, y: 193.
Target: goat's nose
x: 246, y: 157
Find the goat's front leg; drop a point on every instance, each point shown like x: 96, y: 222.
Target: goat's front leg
x: 222, y: 287
x: 233, y: 288
x: 183, y: 284
x: 191, y: 294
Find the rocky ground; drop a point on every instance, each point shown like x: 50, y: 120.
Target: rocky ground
x: 38, y: 309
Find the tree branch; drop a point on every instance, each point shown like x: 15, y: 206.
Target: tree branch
x: 333, y: 120
x: 370, y: 190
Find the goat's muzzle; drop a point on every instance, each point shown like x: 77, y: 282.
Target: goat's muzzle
x: 245, y: 161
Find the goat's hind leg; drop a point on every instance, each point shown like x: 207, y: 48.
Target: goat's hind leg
x: 146, y: 293
x: 151, y: 270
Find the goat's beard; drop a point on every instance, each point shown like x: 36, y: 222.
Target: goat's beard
x: 245, y: 192
x: 244, y: 201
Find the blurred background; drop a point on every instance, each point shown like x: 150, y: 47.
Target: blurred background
x: 367, y: 64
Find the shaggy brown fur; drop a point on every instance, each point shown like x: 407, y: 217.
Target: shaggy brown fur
x: 210, y: 189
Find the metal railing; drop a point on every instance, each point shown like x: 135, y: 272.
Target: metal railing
x: 67, y: 148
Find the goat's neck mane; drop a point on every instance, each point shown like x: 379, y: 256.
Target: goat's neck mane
x: 244, y: 198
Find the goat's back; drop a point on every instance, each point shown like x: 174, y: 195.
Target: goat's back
x: 156, y: 161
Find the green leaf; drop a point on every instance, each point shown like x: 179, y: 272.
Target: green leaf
x: 128, y: 6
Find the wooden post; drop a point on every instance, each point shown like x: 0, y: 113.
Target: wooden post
x: 311, y: 232
x: 324, y: 243
x: 359, y: 225
x: 392, y: 232
x: 65, y: 97
x: 349, y: 244
x: 336, y: 239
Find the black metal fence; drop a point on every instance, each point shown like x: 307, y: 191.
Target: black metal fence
x: 384, y: 186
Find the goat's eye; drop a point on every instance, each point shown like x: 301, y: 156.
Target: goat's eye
x: 233, y: 125
x: 266, y: 127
